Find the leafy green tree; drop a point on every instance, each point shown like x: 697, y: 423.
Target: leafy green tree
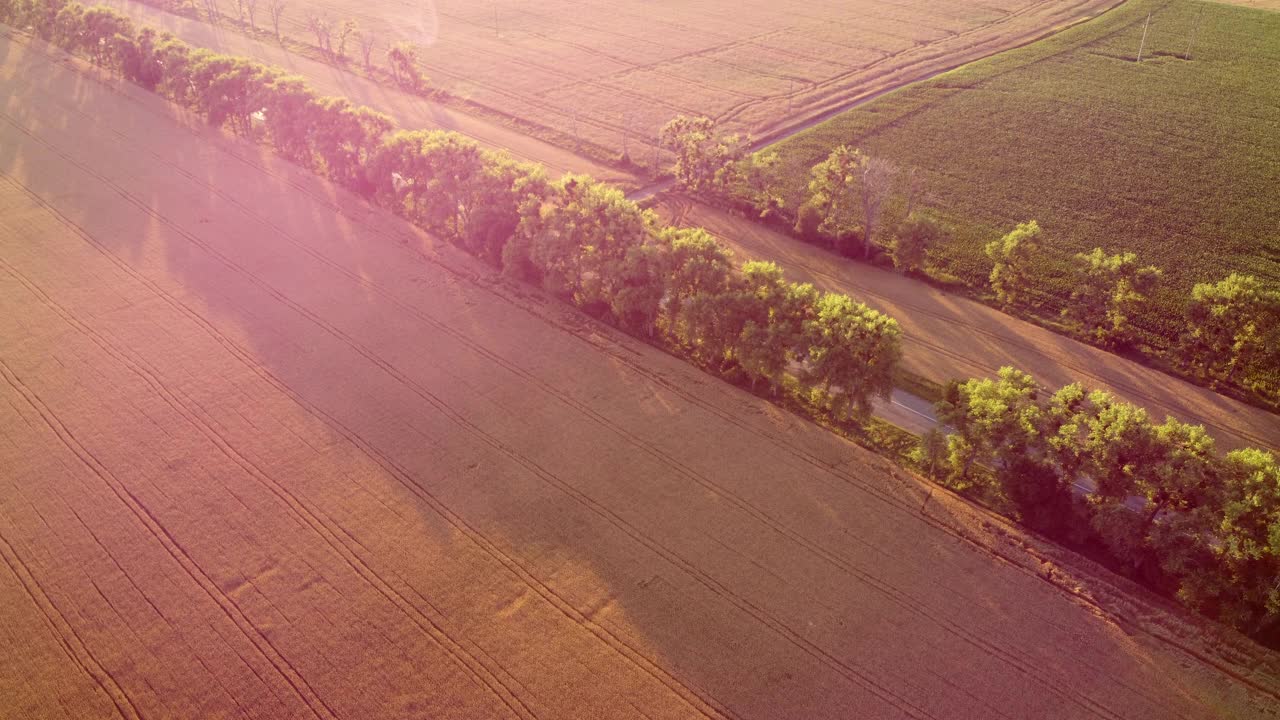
x: 228, y: 90
x: 697, y: 264
x: 578, y: 238
x: 402, y: 58
x: 931, y: 454
x: 636, y: 296
x: 175, y: 57
x: 749, y: 323
x: 1242, y: 583
x: 490, y: 206
x: 140, y: 59
x: 1183, y: 473
x: 1041, y: 496
x: 833, y: 191
x: 291, y: 115
x: 912, y: 240
x: 853, y: 352
x: 754, y: 180
x: 101, y: 25
x: 774, y: 332
x: 1117, y: 440
x: 67, y: 28
x: 1107, y: 289
x: 42, y: 16
x: 433, y: 168
x: 809, y: 220
x: 1232, y: 324
x: 995, y: 421
x: 349, y: 140
x: 1064, y: 425
x: 1151, y: 483
x: 1013, y: 256
x: 705, y: 159
x: 850, y: 189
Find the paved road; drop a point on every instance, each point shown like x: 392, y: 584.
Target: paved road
x: 947, y: 336
x: 907, y: 411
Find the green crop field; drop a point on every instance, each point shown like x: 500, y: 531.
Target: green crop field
x: 1177, y: 160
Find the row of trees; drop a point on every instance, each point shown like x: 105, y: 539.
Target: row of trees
x: 1097, y: 473
x: 579, y: 239
x: 1232, y: 325
x: 856, y: 202
x: 585, y: 242
x: 859, y: 204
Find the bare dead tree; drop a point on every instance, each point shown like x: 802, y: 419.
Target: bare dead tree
x: 211, y: 9
x: 276, y: 8
x: 345, y: 31
x: 877, y: 176
x: 240, y: 11
x: 368, y: 40
x: 323, y: 30
x: 251, y: 9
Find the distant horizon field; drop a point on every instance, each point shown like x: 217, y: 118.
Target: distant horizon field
x: 613, y: 73
x: 1176, y: 160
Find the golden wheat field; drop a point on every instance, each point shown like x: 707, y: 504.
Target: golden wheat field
x: 269, y: 452
x: 614, y: 72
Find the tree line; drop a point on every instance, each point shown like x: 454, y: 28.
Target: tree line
x: 577, y: 238
x: 860, y: 205
x: 1153, y: 500
x: 1208, y: 524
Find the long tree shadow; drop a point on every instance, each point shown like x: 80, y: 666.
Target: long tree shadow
x: 589, y: 526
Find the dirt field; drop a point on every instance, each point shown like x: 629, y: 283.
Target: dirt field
x: 266, y: 452
x: 625, y: 67
x: 947, y: 336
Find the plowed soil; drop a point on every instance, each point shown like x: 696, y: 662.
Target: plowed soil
x: 267, y: 452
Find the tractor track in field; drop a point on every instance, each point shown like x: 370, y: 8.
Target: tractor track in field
x: 722, y: 500
x: 852, y: 673
x: 740, y: 503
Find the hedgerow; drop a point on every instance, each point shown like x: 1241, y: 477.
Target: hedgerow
x: 586, y: 243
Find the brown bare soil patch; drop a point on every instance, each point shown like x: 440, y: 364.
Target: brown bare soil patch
x: 267, y: 452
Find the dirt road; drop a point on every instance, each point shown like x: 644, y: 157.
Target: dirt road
x: 267, y: 452
x: 410, y: 111
x: 948, y: 336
